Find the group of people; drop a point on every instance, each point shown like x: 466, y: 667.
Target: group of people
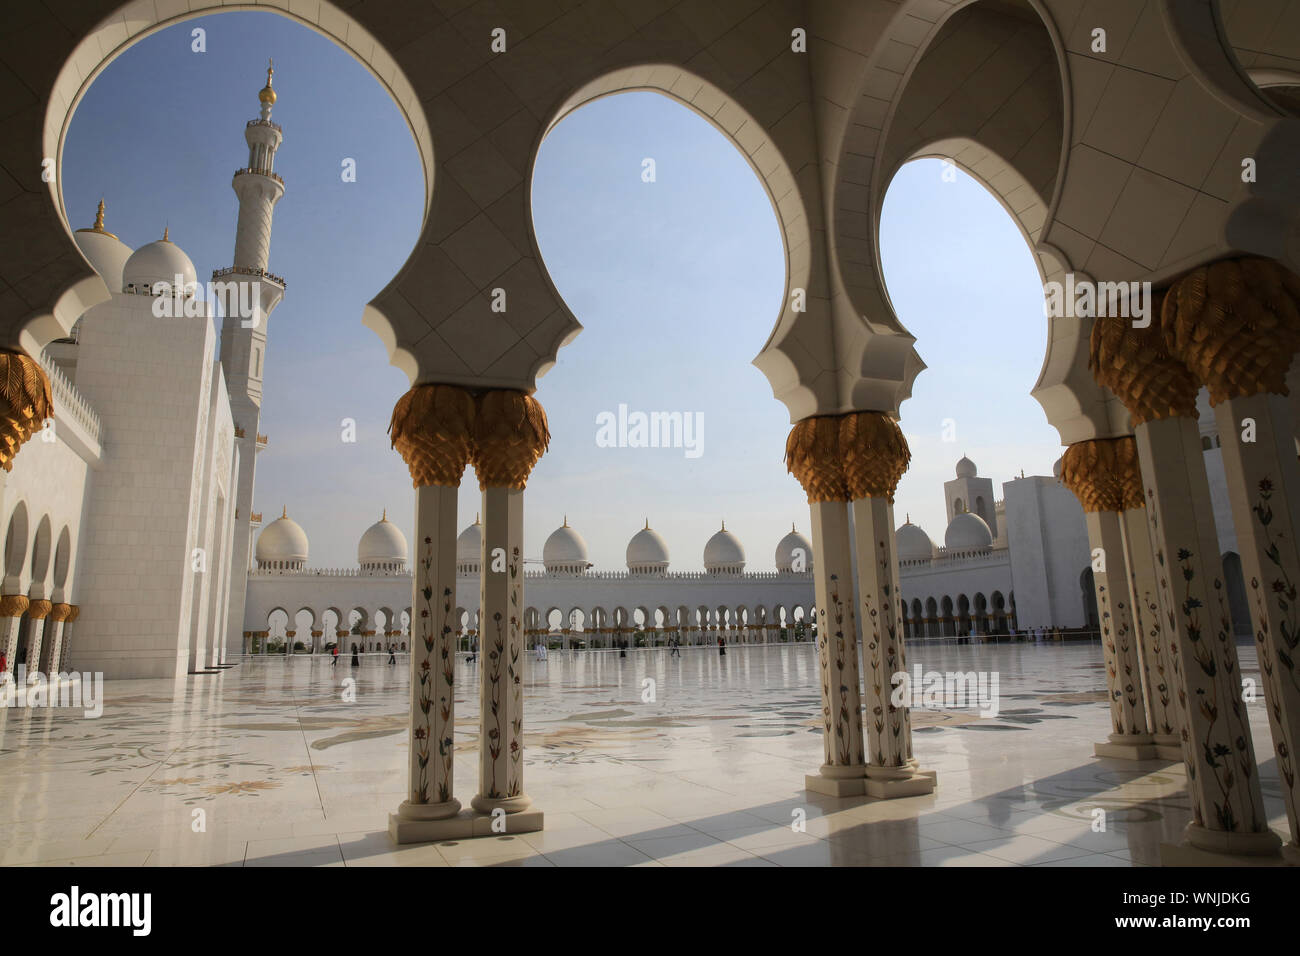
x: 356, y: 655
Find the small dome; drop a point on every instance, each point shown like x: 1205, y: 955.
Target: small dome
x: 107, y: 253
x: 160, y: 261
x: 912, y: 543
x: 282, y: 544
x: 1056, y: 468
x: 967, y: 532
x: 383, y: 545
x: 565, y: 550
x: 723, y: 552
x: 647, y: 552
x: 786, y: 550
x: 966, y: 468
x: 469, y: 546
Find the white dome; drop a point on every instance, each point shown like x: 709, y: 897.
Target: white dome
x: 966, y: 468
x: 160, y: 261
x: 107, y: 253
x: 283, y: 543
x: 912, y: 543
x: 382, y: 544
x: 469, y: 546
x: 966, y: 532
x: 723, y: 552
x: 786, y: 548
x: 647, y: 551
x: 1056, y: 468
x: 565, y: 550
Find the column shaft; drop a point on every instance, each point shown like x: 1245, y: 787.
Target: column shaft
x: 501, y: 697
x: 842, y: 773
x: 1130, y: 738
x: 1264, y: 489
x: 1222, y: 779
x: 1154, y: 638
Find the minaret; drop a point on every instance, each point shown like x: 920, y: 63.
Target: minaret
x: 251, y: 294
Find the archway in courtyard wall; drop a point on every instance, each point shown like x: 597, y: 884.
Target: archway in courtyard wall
x: 114, y: 35
x: 631, y: 250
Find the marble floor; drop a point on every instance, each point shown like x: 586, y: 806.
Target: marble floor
x: 706, y: 770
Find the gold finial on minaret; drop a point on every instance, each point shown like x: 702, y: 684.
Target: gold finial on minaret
x: 99, y: 223
x: 266, y: 94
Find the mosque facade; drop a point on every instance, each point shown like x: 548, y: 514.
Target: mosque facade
x: 129, y: 516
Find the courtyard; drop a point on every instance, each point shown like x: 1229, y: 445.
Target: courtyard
x: 292, y: 762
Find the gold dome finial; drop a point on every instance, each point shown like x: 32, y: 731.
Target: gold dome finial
x: 99, y: 223
x: 266, y: 94
x: 647, y: 524
x: 384, y: 516
x: 166, y: 232
x: 566, y: 522
x: 476, y: 515
x: 724, y: 525
x: 792, y: 527
x: 284, y: 511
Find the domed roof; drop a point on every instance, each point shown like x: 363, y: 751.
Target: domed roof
x: 723, y: 550
x: 107, y: 253
x: 564, y: 548
x: 912, y: 543
x: 1056, y: 468
x: 966, y: 468
x: 786, y: 548
x: 383, y: 543
x: 282, y: 540
x: 469, y: 546
x: 160, y: 261
x: 967, y: 531
x: 647, y: 549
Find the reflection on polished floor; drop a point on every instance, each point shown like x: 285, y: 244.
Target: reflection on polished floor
x: 708, y: 772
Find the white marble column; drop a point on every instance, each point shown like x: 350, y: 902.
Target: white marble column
x: 1130, y: 737
x: 37, y: 611
x: 431, y: 429
x: 12, y: 607
x: 1264, y: 490
x: 891, y: 771
x: 1153, y: 643
x: 58, y: 626
x: 1218, y: 751
x: 510, y: 436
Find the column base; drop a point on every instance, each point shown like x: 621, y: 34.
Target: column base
x: 1129, y: 747
x: 837, y: 781
x: 1204, y: 847
x: 890, y: 783
x: 486, y: 805
x: 465, y: 825
x: 1168, y: 747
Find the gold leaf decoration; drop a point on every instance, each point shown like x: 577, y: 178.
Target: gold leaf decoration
x: 812, y: 456
x: 874, y: 453
x: 1103, y: 474
x: 1236, y: 324
x: 25, y: 403
x: 1138, y: 367
x: 510, y: 436
x: 431, y: 429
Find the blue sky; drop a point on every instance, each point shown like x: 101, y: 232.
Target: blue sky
x: 677, y: 283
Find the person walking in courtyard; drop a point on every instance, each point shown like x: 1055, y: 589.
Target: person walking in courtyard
x: 356, y: 661
x: 392, y: 653
x: 473, y: 650
x: 676, y: 648
x: 334, y: 657
x: 722, y: 646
